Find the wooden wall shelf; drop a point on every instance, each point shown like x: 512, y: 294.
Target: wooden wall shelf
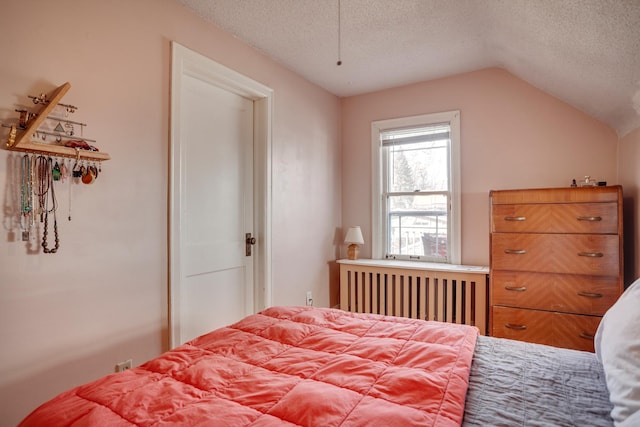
x: 21, y: 139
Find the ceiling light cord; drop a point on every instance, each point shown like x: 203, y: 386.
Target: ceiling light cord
x: 339, y: 38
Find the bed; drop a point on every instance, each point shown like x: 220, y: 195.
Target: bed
x: 305, y: 366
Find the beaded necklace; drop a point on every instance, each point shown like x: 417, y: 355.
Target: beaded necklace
x: 26, y: 202
x: 43, y: 182
x: 45, y: 186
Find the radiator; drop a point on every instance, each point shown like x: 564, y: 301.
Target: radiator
x: 446, y: 293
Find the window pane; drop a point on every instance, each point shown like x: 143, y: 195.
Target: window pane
x: 415, y: 157
x: 418, y: 166
x: 418, y: 226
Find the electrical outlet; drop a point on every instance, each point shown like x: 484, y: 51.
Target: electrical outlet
x: 123, y: 366
x: 309, y: 298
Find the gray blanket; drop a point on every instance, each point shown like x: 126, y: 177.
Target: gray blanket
x: 514, y: 383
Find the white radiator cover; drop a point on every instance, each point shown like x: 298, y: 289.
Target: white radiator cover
x: 430, y: 291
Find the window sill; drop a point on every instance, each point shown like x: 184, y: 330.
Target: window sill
x: 416, y: 265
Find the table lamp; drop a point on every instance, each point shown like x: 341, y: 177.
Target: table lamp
x: 354, y: 239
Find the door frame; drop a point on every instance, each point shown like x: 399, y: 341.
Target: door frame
x: 186, y: 62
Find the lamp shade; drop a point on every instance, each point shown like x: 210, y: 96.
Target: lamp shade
x: 354, y: 235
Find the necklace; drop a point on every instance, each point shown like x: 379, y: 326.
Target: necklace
x: 45, y: 248
x: 43, y: 180
x: 26, y: 202
x: 45, y: 186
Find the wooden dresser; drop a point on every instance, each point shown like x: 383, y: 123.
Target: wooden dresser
x: 556, y: 263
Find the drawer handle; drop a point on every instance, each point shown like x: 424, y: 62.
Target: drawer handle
x: 591, y: 254
x: 515, y: 251
x: 590, y: 218
x: 590, y: 294
x: 515, y: 218
x: 515, y: 327
x: 586, y: 336
x: 515, y: 288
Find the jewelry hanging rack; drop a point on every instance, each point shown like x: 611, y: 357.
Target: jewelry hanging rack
x: 21, y: 139
x: 56, y: 134
x: 26, y: 115
x: 60, y: 119
x: 42, y: 99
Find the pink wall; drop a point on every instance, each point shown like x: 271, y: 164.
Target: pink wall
x: 70, y: 317
x: 629, y: 173
x: 512, y: 136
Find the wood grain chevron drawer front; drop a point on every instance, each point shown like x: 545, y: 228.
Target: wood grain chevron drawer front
x: 545, y: 327
x: 589, y: 254
x: 582, y: 218
x: 570, y: 293
x: 522, y: 324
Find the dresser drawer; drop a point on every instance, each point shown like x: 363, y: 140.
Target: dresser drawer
x: 557, y: 195
x: 557, y: 292
x: 594, y: 255
x: 581, y: 218
x: 544, y: 327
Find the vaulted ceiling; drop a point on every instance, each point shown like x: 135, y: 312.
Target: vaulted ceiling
x: 585, y: 52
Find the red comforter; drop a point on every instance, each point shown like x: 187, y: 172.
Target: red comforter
x: 287, y: 366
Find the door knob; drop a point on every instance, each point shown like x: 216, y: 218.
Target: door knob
x: 249, y: 241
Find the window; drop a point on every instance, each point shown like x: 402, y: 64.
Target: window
x: 416, y: 188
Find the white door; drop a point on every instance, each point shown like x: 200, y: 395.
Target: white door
x: 212, y: 280
x: 216, y: 138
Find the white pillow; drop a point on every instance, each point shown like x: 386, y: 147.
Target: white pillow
x: 617, y: 345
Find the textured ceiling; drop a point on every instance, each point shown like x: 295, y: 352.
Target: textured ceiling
x: 585, y: 52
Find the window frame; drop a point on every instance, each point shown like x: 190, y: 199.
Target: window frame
x: 378, y: 209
